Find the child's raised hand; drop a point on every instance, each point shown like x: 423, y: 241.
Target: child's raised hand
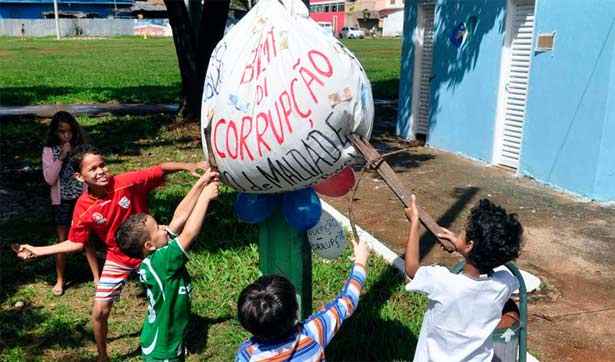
x: 209, y: 176
x: 448, y: 235
x: 66, y: 148
x: 361, y: 251
x: 194, y: 167
x: 211, y: 190
x: 23, y: 251
x: 412, y: 213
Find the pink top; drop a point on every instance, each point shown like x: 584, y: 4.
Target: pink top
x: 51, y: 173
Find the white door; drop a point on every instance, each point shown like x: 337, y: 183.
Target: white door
x: 421, y: 83
x: 514, y: 81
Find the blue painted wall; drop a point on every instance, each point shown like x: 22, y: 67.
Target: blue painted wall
x: 465, y: 79
x: 569, y: 131
x: 605, y: 177
x: 34, y: 9
x: 405, y: 75
x: 567, y: 139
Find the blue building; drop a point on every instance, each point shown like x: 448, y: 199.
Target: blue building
x: 525, y: 84
x: 37, y: 9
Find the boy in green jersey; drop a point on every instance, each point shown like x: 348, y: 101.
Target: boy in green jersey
x: 163, y: 270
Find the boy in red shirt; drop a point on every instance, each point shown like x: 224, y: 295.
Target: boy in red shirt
x: 107, y: 203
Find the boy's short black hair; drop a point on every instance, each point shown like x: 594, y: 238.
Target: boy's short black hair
x: 131, y: 236
x: 268, y: 308
x: 496, y: 235
x: 79, y: 154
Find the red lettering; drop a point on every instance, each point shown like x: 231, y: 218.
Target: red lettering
x: 262, y: 91
x: 259, y: 133
x: 262, y: 56
x: 244, y: 134
x: 231, y: 126
x: 294, y: 98
x: 304, y: 72
x: 329, y: 70
x: 275, y: 54
x: 286, y: 108
x: 215, y: 142
x: 245, y: 78
x: 279, y: 136
x: 259, y: 51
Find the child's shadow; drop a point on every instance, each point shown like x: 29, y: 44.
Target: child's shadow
x: 198, y: 328
x: 366, y: 336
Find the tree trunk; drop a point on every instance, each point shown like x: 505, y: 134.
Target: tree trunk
x: 213, y: 24
x: 194, y: 49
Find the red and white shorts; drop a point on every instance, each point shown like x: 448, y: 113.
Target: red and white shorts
x: 112, y: 279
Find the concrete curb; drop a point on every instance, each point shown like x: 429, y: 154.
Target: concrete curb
x: 378, y: 247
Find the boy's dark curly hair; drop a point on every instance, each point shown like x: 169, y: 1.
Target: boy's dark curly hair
x: 496, y: 235
x: 131, y: 236
x: 79, y: 154
x: 268, y: 308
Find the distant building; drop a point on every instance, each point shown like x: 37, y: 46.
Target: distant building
x: 370, y: 14
x: 150, y: 9
x: 38, y: 9
x: 329, y: 12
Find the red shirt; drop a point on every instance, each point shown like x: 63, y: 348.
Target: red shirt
x: 127, y: 195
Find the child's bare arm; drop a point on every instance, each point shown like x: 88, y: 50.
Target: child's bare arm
x: 183, y: 210
x: 412, y: 246
x: 26, y: 251
x: 192, y: 167
x: 195, y: 220
x: 361, y: 252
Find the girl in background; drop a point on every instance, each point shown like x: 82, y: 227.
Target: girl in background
x: 64, y: 135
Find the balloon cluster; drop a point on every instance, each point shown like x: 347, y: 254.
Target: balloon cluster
x: 301, y: 208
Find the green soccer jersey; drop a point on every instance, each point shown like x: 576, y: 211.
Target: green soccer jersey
x: 168, y: 293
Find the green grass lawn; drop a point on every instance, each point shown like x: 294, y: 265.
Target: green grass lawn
x: 223, y: 261
x: 131, y: 69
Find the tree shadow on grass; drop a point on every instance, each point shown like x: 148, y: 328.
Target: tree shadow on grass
x: 20, y: 96
x: 36, y: 330
x: 198, y: 330
x: 368, y: 337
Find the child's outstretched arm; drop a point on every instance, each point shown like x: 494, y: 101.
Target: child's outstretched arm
x: 192, y: 167
x: 183, y: 210
x: 324, y: 324
x: 26, y: 251
x: 412, y: 246
x: 195, y: 220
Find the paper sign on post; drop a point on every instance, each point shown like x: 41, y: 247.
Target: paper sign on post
x: 327, y: 238
x: 280, y: 98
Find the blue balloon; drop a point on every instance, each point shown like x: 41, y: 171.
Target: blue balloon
x: 254, y: 208
x: 301, y: 208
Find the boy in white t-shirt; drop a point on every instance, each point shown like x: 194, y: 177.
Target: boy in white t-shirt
x: 464, y: 309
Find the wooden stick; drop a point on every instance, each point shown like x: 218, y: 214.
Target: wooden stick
x: 389, y: 176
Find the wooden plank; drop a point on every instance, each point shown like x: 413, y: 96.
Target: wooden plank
x: 389, y: 176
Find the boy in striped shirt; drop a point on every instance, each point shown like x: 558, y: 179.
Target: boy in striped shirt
x: 268, y: 309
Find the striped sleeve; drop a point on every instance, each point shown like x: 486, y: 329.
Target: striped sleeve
x: 323, y: 324
x: 242, y: 354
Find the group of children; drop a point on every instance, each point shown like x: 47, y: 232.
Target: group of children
x: 463, y: 311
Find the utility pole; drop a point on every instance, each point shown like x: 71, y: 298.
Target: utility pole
x: 55, y: 12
